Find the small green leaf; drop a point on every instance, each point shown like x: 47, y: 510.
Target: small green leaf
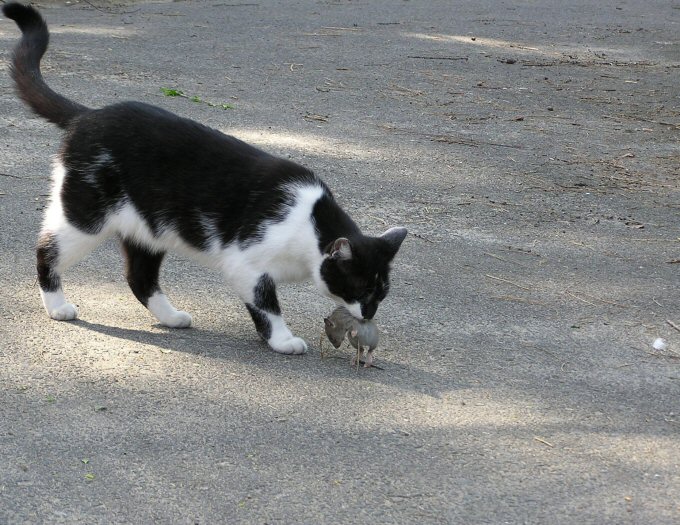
x: 50, y: 399
x: 89, y: 476
x: 99, y: 408
x: 227, y: 106
x: 195, y: 99
x: 172, y: 92
x: 85, y: 460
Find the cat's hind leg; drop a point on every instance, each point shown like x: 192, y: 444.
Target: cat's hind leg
x: 60, y: 246
x: 143, y: 268
x: 263, y: 305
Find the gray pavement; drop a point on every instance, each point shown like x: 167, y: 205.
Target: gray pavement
x: 531, y: 148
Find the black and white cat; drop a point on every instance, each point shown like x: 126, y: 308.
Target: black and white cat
x: 165, y: 183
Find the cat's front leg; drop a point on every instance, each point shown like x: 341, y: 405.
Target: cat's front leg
x: 263, y: 306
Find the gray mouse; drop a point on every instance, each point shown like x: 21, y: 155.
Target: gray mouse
x: 362, y: 334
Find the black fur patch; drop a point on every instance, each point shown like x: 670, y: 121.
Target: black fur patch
x: 265, y: 301
x: 265, y: 295
x: 47, y: 253
x: 331, y: 221
x: 142, y: 270
x: 364, y: 278
x: 262, y: 324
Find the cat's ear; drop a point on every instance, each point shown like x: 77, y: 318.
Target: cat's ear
x: 341, y: 249
x: 394, y: 238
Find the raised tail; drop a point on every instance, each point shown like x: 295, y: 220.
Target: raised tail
x: 25, y: 67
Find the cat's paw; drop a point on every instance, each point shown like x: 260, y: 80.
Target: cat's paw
x: 65, y: 312
x: 291, y: 346
x: 177, y: 319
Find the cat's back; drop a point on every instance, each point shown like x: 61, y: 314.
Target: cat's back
x: 153, y: 147
x: 133, y: 129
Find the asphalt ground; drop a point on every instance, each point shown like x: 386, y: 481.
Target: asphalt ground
x: 531, y: 149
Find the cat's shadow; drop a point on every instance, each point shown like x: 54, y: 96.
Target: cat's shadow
x: 255, y: 352
x: 195, y: 341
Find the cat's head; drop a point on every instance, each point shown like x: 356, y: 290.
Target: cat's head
x: 355, y: 272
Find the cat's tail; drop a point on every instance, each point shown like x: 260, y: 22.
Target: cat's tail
x: 25, y: 67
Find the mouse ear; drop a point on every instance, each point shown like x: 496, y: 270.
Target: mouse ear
x: 328, y: 322
x: 341, y: 249
x: 394, y: 238
x: 354, y: 333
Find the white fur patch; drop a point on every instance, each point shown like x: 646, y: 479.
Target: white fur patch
x: 282, y: 340
x: 57, y: 307
x: 289, y: 249
x: 127, y: 222
x: 101, y: 160
x: 354, y: 309
x: 166, y: 314
x: 73, y: 243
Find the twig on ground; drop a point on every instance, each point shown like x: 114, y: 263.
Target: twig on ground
x: 544, y: 442
x: 108, y: 10
x: 447, y: 139
x: 507, y: 281
x: 422, y: 237
x: 321, y: 350
x: 579, y: 298
x: 439, y: 58
x: 315, y: 118
x: 643, y: 119
x: 378, y: 219
x: 506, y: 260
x: 332, y: 28
x: 673, y: 324
x: 604, y: 300
x: 677, y: 239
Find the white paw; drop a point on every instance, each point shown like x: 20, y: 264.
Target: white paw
x: 291, y: 346
x: 65, y: 312
x: 177, y: 319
